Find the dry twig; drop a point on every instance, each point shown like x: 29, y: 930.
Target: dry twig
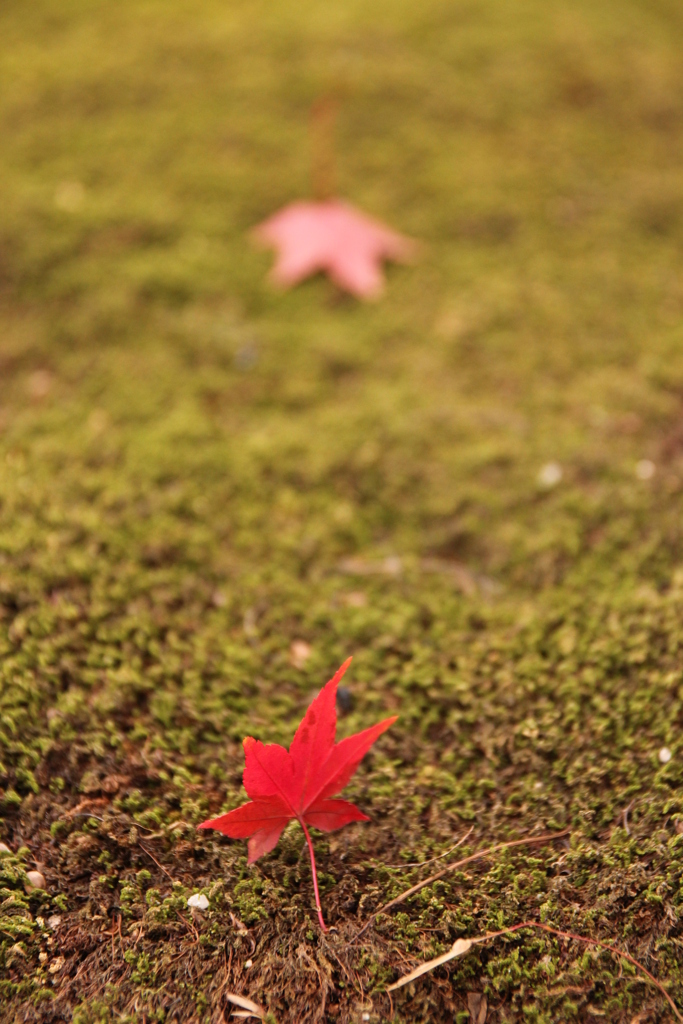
x: 424, y: 863
x: 548, y: 837
x: 462, y: 946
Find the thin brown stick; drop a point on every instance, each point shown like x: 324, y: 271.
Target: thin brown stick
x: 323, y: 117
x: 548, y: 837
x: 424, y: 863
x: 590, y: 942
x: 160, y: 866
x: 189, y: 926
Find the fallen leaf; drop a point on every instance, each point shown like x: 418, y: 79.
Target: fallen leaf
x: 459, y: 948
x: 478, y: 1005
x: 297, y: 784
x: 334, y: 238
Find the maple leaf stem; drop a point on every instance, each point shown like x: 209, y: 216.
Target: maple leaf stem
x: 315, y: 877
x: 323, y: 116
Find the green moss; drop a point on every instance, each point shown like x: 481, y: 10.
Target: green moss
x: 197, y: 471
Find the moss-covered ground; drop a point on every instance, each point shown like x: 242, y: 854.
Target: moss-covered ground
x: 197, y: 473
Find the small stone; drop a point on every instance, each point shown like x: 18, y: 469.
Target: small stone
x: 56, y: 965
x: 198, y: 900
x: 249, y: 963
x: 54, y: 922
x: 43, y: 957
x: 4, y: 848
x: 299, y: 653
x: 664, y: 755
x: 365, y: 1016
x: 36, y: 880
x: 645, y: 469
x: 344, y: 700
x: 550, y: 474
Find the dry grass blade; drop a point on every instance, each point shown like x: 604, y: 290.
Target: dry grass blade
x: 459, y: 948
x: 462, y: 946
x: 548, y: 837
x: 440, y: 856
x: 592, y: 942
x: 250, y: 1008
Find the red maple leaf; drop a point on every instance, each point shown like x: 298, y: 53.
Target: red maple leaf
x: 333, y: 237
x: 297, y: 784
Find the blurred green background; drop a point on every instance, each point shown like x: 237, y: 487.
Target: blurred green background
x: 211, y: 493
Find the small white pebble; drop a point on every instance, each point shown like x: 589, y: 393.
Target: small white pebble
x: 550, y: 474
x: 4, y: 848
x: 665, y: 755
x: 54, y: 922
x: 36, y: 880
x: 249, y: 963
x: 645, y: 469
x: 198, y: 900
x: 299, y: 653
x: 365, y: 1016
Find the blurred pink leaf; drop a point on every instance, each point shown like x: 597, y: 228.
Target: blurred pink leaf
x: 333, y: 237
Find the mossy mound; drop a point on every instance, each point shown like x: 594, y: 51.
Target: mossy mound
x: 212, y: 494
